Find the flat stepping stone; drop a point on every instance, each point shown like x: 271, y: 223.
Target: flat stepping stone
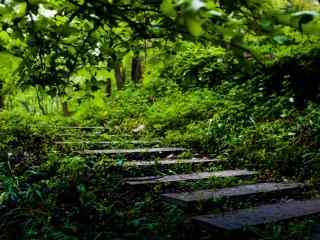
x: 132, y: 151
x: 315, y: 236
x: 272, y: 213
x: 94, y: 134
x: 80, y: 142
x: 315, y: 233
x: 75, y: 127
x: 105, y: 142
x: 169, y: 162
x: 188, y: 177
x: 188, y: 198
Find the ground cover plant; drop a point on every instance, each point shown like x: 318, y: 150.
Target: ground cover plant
x: 233, y: 80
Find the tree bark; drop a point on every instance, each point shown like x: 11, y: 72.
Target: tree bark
x: 120, y: 75
x: 108, y: 87
x: 136, y: 69
x: 1, y: 102
x: 65, y: 108
x: 1, y: 96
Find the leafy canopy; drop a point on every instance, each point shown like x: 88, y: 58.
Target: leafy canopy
x: 58, y: 39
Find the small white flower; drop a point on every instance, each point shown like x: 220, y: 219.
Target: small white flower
x: 96, y: 52
x: 46, y: 12
x: 291, y: 100
x: 32, y: 17
x: 7, y: 2
x: 197, y: 4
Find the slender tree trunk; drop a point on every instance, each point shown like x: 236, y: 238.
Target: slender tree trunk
x: 65, y: 108
x: 1, y: 96
x: 1, y: 102
x: 108, y: 87
x: 120, y: 75
x: 136, y: 69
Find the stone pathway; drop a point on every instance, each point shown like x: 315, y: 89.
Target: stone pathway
x: 227, y: 221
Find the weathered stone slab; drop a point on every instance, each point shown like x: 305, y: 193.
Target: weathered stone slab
x: 132, y: 151
x: 189, y: 198
x: 169, y: 162
x: 81, y: 142
x: 188, y: 177
x: 315, y: 236
x: 79, y: 134
x: 315, y: 232
x: 78, y: 127
x: 260, y: 215
x: 105, y: 142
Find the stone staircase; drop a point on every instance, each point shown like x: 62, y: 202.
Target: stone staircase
x: 223, y: 224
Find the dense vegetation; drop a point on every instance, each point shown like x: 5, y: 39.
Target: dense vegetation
x: 235, y: 79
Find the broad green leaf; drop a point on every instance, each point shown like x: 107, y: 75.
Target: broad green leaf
x: 194, y: 26
x: 305, y: 13
x: 215, y: 13
x: 280, y: 39
x: 20, y: 9
x: 168, y: 8
x: 4, y: 38
x: 8, y: 65
x: 266, y: 24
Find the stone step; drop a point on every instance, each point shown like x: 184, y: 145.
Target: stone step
x: 188, y: 177
x: 133, y: 151
x: 187, y: 199
x: 265, y: 214
x: 106, y: 143
x: 170, y: 162
x: 79, y: 134
x: 78, y: 127
x: 81, y: 142
x: 315, y: 232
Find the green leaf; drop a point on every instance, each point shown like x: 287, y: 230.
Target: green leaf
x: 168, y: 8
x: 8, y: 65
x: 81, y: 188
x: 280, y: 39
x: 215, y: 13
x: 194, y: 26
x: 266, y: 24
x: 304, y: 13
x: 120, y: 161
x: 20, y: 9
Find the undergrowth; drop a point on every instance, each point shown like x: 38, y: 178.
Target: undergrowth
x: 235, y: 116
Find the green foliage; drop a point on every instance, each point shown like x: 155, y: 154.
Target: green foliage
x: 246, y: 90
x: 198, y: 66
x: 289, y: 74
x: 261, y: 17
x: 174, y: 111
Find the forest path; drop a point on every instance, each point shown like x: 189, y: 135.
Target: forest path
x: 250, y: 203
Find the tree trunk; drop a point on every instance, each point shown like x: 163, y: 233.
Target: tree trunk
x: 1, y: 102
x: 1, y: 96
x: 136, y: 69
x: 65, y: 108
x: 120, y: 75
x: 108, y: 87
